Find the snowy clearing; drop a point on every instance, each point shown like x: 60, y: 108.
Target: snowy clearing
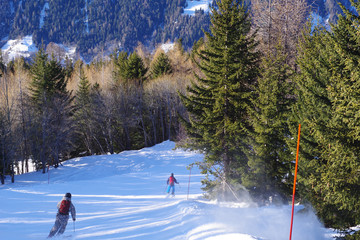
x: 122, y: 196
x: 23, y: 47
x: 193, y: 5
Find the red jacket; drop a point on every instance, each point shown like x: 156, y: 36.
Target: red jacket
x: 172, y: 180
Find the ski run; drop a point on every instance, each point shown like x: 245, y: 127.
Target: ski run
x: 123, y: 196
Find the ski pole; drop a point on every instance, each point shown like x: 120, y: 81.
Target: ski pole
x: 189, y: 185
x: 74, y: 225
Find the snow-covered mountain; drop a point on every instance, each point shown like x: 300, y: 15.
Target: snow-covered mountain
x: 122, y: 196
x: 97, y: 26
x: 100, y: 25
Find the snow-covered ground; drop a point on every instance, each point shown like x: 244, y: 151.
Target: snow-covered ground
x: 166, y: 47
x: 193, y: 5
x: 122, y: 196
x: 18, y: 48
x: 24, y: 47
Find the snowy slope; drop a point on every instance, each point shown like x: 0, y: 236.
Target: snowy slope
x: 122, y: 196
x: 193, y: 5
x: 23, y: 47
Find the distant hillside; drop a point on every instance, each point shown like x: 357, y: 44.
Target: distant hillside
x: 95, y: 25
x: 328, y: 9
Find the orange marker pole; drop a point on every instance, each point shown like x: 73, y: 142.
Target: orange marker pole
x: 294, y: 188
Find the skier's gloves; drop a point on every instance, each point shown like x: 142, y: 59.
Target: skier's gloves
x: 74, y: 219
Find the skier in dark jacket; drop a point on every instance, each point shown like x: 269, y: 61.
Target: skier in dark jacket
x: 171, y: 184
x: 64, y: 207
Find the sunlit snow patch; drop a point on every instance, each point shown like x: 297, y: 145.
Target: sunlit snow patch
x: 192, y: 6
x: 18, y: 48
x: 167, y: 47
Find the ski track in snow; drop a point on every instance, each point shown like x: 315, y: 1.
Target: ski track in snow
x: 122, y: 196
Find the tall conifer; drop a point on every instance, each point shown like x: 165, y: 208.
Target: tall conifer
x: 48, y: 78
x: 83, y: 115
x: 52, y: 110
x: 130, y: 68
x: 270, y: 165
x: 219, y: 100
x: 328, y: 107
x: 160, y: 66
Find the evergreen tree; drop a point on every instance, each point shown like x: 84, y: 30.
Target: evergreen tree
x: 48, y: 78
x: 130, y: 68
x: 83, y: 114
x: 160, y: 66
x: 218, y: 101
x: 135, y: 68
x: 51, y: 109
x: 120, y: 60
x: 83, y: 92
x: 328, y: 96
x: 270, y: 166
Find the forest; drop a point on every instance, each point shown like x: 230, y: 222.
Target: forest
x: 94, y: 25
x: 237, y: 96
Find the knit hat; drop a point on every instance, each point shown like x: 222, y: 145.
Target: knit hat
x: 68, y: 195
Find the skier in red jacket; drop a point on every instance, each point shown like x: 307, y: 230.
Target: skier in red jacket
x: 65, y: 207
x: 171, y: 184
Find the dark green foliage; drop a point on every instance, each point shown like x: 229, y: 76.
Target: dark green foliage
x: 130, y: 68
x: 218, y: 102
x: 83, y: 93
x: 48, y: 78
x: 135, y: 68
x: 328, y: 107
x: 354, y: 236
x: 50, y: 106
x: 236, y: 114
x: 160, y: 66
x: 84, y: 115
x: 6, y: 17
x: 270, y: 165
x: 95, y: 24
x: 185, y: 27
x: 120, y: 60
x: 26, y: 17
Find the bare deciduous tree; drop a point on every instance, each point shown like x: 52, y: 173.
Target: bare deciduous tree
x: 279, y: 21
x: 8, y: 114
